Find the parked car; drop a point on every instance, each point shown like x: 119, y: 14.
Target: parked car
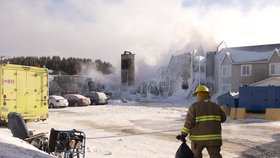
x: 77, y: 100
x: 57, y: 101
x: 97, y: 97
x: 109, y: 95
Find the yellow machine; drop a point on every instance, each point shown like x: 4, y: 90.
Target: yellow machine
x: 23, y: 89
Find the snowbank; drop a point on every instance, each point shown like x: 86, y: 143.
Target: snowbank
x: 12, y: 147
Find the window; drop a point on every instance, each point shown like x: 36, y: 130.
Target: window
x: 126, y: 63
x: 226, y: 71
x: 226, y: 87
x: 274, y: 69
x: 246, y: 70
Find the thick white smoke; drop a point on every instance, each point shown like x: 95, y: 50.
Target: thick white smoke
x: 110, y: 81
x: 152, y: 29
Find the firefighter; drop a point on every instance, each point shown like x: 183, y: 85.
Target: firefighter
x: 203, y: 125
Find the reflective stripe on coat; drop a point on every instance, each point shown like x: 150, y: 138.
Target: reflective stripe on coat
x: 203, y: 123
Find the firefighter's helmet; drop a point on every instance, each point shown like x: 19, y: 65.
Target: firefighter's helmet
x: 201, y: 88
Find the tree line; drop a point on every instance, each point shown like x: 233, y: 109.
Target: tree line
x: 69, y: 66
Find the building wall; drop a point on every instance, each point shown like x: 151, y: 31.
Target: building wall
x: 235, y: 78
x: 274, y: 59
x: 128, y: 69
x: 210, y: 64
x: 229, y: 79
x: 67, y: 84
x: 179, y: 67
x: 260, y: 71
x: 216, y: 74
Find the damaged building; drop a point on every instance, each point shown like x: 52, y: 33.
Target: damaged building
x: 184, y: 72
x: 128, y: 69
x: 223, y: 70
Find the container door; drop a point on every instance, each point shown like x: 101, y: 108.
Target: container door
x: 21, y: 91
x: 271, y: 99
x: 277, y: 97
x: 236, y: 102
x: 8, y: 91
x: 260, y: 99
x: 41, y: 93
x: 32, y: 89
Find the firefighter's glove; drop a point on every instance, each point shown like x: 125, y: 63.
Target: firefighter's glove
x: 181, y: 137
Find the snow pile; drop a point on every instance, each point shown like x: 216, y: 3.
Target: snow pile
x: 237, y: 55
x: 247, y: 56
x: 12, y: 147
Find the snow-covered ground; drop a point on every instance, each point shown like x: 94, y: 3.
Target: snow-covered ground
x: 144, y: 130
x: 11, y: 147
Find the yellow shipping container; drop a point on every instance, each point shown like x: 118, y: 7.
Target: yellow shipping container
x: 23, y: 89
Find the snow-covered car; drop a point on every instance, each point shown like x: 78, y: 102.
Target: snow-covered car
x: 77, y: 100
x: 57, y: 101
x: 97, y: 97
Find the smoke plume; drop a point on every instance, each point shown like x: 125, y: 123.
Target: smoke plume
x: 152, y: 29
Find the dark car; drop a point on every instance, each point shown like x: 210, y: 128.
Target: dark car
x: 97, y: 97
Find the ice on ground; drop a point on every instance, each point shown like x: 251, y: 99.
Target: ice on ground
x: 144, y: 130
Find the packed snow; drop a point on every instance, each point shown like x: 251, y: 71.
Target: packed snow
x: 237, y: 55
x: 12, y: 147
x: 144, y: 130
x: 249, y: 56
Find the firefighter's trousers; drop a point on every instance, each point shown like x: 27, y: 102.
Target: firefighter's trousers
x: 213, y: 151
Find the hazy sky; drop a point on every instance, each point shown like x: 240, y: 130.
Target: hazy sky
x: 152, y: 29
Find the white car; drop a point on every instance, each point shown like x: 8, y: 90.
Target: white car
x: 57, y: 101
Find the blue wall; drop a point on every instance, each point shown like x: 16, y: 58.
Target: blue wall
x: 257, y: 99
x: 228, y: 100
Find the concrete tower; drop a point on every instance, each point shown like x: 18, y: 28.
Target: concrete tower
x: 128, y: 69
